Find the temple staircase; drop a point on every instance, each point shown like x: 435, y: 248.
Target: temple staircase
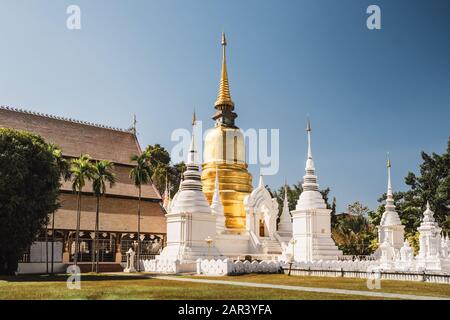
x: 270, y: 246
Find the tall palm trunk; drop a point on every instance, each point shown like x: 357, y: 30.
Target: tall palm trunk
x: 139, y: 233
x: 53, y: 242
x: 77, y: 235
x: 95, y: 259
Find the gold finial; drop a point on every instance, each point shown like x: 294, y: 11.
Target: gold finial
x: 389, y: 161
x: 194, y: 119
x: 224, y: 96
x: 224, y: 39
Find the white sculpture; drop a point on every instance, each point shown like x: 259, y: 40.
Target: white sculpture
x: 130, y: 261
x: 262, y: 212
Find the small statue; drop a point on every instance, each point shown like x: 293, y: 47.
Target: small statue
x: 130, y: 261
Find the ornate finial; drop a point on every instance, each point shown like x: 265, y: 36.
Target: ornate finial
x: 224, y: 39
x: 192, y: 150
x: 194, y: 119
x: 224, y: 96
x: 389, y: 190
x: 428, y: 205
x: 134, y: 127
x: 308, y: 130
x: 308, y: 126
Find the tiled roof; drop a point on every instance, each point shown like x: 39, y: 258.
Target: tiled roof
x: 79, y: 137
x: 74, y: 137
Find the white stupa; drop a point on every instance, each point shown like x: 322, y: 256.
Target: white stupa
x: 390, y: 226
x: 311, y: 219
x: 430, y: 242
x: 190, y: 220
x: 285, y: 225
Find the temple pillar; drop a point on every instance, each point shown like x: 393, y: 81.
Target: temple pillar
x: 118, y: 248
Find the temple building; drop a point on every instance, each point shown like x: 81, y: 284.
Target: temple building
x: 118, y: 208
x: 225, y: 152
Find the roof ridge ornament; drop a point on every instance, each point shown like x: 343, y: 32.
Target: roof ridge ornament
x: 61, y: 118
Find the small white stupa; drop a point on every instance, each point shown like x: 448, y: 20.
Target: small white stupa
x: 311, y: 219
x: 390, y: 226
x: 430, y: 255
x: 190, y: 220
x: 285, y: 225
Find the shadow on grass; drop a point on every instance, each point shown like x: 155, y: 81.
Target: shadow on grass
x: 63, y: 277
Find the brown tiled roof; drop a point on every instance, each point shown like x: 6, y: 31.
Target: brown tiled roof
x: 74, y: 137
x: 77, y: 137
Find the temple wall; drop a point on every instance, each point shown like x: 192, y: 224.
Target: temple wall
x: 116, y: 215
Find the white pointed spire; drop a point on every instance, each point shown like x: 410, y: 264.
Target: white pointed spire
x: 310, y: 198
x: 389, y: 188
x: 261, y: 181
x: 285, y: 224
x: 390, y: 216
x: 192, y: 150
x: 308, y: 130
x: 217, y: 206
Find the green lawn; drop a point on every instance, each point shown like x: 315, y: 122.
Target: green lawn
x: 133, y: 287
x: 389, y: 286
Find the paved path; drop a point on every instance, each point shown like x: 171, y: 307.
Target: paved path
x: 307, y: 289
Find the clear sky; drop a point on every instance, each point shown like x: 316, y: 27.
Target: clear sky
x: 366, y: 92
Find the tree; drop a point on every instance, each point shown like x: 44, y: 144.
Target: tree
x: 140, y: 174
x: 81, y: 170
x: 102, y: 176
x: 353, y: 232
x: 162, y: 168
x: 357, y: 209
x: 29, y: 184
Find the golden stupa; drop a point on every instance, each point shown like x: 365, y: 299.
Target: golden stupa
x: 225, y: 148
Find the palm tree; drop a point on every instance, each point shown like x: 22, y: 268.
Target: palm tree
x: 81, y: 170
x: 65, y: 174
x: 102, y: 175
x: 141, y: 174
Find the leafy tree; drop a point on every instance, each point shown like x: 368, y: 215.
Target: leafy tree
x: 102, y: 176
x: 353, y: 232
x: 356, y: 208
x: 163, y: 170
x: 29, y: 184
x: 81, y: 170
x: 141, y: 174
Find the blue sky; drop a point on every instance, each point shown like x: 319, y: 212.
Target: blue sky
x: 367, y: 92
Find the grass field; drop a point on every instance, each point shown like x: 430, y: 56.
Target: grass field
x: 132, y: 287
x: 388, y: 286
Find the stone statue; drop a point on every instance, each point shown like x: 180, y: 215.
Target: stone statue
x: 130, y: 261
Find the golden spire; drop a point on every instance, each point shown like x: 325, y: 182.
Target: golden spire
x: 224, y: 97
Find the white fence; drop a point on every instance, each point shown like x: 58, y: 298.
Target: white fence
x: 230, y: 267
x: 383, y: 275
